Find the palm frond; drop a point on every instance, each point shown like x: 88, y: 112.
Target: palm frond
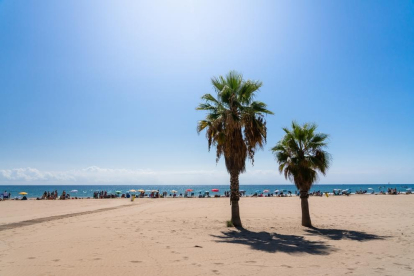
x: 234, y: 123
x: 301, y: 154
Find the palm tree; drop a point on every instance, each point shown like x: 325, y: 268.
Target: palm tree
x: 235, y: 125
x: 301, y: 156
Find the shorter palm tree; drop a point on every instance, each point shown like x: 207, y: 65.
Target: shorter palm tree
x: 301, y: 156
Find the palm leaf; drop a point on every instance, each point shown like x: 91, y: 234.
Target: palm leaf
x: 301, y: 154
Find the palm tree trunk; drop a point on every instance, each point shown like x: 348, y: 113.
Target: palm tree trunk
x: 306, y: 220
x: 234, y: 199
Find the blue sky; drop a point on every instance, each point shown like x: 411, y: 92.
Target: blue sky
x: 105, y: 91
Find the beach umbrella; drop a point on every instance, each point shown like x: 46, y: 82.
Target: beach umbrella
x: 174, y: 191
x: 74, y: 191
x: 370, y: 189
x: 154, y: 191
x: 141, y: 190
x: 22, y: 193
x: 132, y: 191
x: 215, y: 190
x: 189, y: 190
x: 118, y: 192
x: 276, y: 191
x: 265, y: 191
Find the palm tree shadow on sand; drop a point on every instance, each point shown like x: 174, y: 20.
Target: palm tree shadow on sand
x: 274, y: 242
x: 293, y: 244
x: 339, y: 234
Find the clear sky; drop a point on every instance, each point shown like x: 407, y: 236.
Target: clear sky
x: 105, y: 91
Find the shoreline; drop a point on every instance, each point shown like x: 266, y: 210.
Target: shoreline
x: 84, y: 191
x: 189, y: 197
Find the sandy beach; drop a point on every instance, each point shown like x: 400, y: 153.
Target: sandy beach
x: 356, y: 235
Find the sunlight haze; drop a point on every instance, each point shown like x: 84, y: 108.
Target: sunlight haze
x: 106, y: 91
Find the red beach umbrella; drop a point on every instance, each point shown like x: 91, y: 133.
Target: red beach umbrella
x: 189, y: 190
x: 265, y: 191
x: 215, y: 190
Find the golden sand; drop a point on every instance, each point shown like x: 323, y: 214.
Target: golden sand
x: 356, y: 235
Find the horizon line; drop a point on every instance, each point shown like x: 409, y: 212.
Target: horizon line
x: 196, y: 184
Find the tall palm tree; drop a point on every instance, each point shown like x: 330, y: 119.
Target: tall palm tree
x: 235, y: 125
x: 301, y: 155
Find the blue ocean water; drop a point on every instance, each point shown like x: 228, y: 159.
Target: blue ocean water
x: 87, y: 190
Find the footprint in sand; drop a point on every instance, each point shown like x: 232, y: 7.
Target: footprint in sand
x: 136, y: 262
x: 56, y: 260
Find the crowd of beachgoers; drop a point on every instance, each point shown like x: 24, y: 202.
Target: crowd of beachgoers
x: 46, y: 195
x: 189, y: 193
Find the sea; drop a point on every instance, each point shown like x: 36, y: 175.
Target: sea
x: 88, y: 190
